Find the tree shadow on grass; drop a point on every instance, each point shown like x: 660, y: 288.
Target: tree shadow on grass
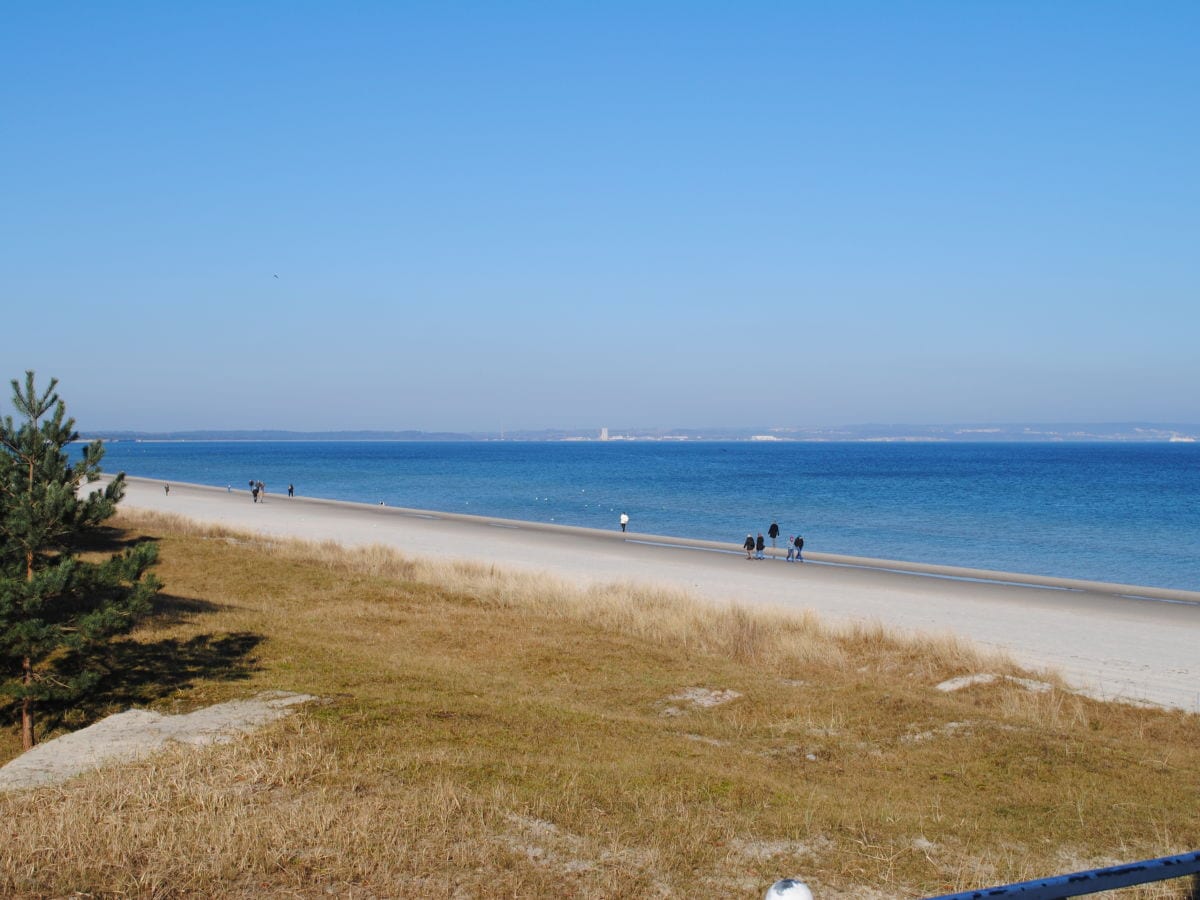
x: 136, y: 673
x: 139, y: 673
x: 108, y: 539
x: 171, y: 609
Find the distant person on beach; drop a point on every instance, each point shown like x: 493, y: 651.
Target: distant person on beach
x: 749, y: 545
x: 291, y: 490
x: 229, y: 488
x: 167, y: 489
x: 791, y: 545
x: 262, y: 491
x: 624, y: 520
x: 799, y: 543
x: 254, y: 492
x: 772, y: 533
x: 759, y: 546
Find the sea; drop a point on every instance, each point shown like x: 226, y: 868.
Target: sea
x: 1127, y: 513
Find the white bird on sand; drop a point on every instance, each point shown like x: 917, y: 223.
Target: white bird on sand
x: 789, y: 889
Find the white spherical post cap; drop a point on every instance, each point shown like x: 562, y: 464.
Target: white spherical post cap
x: 789, y: 889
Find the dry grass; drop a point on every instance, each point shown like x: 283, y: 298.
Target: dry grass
x: 486, y: 734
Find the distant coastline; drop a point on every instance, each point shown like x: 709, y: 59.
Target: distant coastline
x: 1117, y: 432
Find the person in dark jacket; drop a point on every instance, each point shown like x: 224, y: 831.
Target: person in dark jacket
x: 772, y: 533
x: 799, y: 543
x: 749, y: 545
x: 759, y: 546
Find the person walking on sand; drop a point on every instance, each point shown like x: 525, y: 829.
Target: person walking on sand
x: 254, y: 492
x: 167, y: 489
x: 749, y: 545
x: 791, y: 548
x: 772, y: 533
x: 291, y: 490
x: 799, y: 544
x: 624, y: 520
x: 759, y: 546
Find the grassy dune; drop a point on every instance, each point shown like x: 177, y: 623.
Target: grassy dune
x: 485, y: 734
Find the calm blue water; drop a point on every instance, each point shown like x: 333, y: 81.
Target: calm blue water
x: 1115, y: 512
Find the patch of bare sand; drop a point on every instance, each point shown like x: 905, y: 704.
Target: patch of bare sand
x: 138, y: 732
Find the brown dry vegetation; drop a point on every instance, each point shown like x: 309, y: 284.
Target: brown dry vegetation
x: 484, y: 734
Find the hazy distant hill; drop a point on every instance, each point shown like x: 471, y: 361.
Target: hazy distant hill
x: 1118, y: 431
x: 219, y: 435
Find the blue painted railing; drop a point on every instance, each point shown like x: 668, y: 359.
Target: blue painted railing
x: 1092, y: 881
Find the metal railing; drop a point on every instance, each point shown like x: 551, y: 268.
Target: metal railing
x: 1092, y: 881
x: 1060, y: 887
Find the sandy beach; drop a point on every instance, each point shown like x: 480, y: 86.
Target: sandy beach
x: 1111, y: 641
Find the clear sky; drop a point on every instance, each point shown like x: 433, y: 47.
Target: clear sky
x: 470, y: 216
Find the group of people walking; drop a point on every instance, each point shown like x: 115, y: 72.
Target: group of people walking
x: 258, y: 490
x: 756, y: 547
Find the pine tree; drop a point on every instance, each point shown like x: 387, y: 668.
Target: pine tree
x: 52, y: 602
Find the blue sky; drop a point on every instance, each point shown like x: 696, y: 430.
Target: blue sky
x: 573, y: 215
